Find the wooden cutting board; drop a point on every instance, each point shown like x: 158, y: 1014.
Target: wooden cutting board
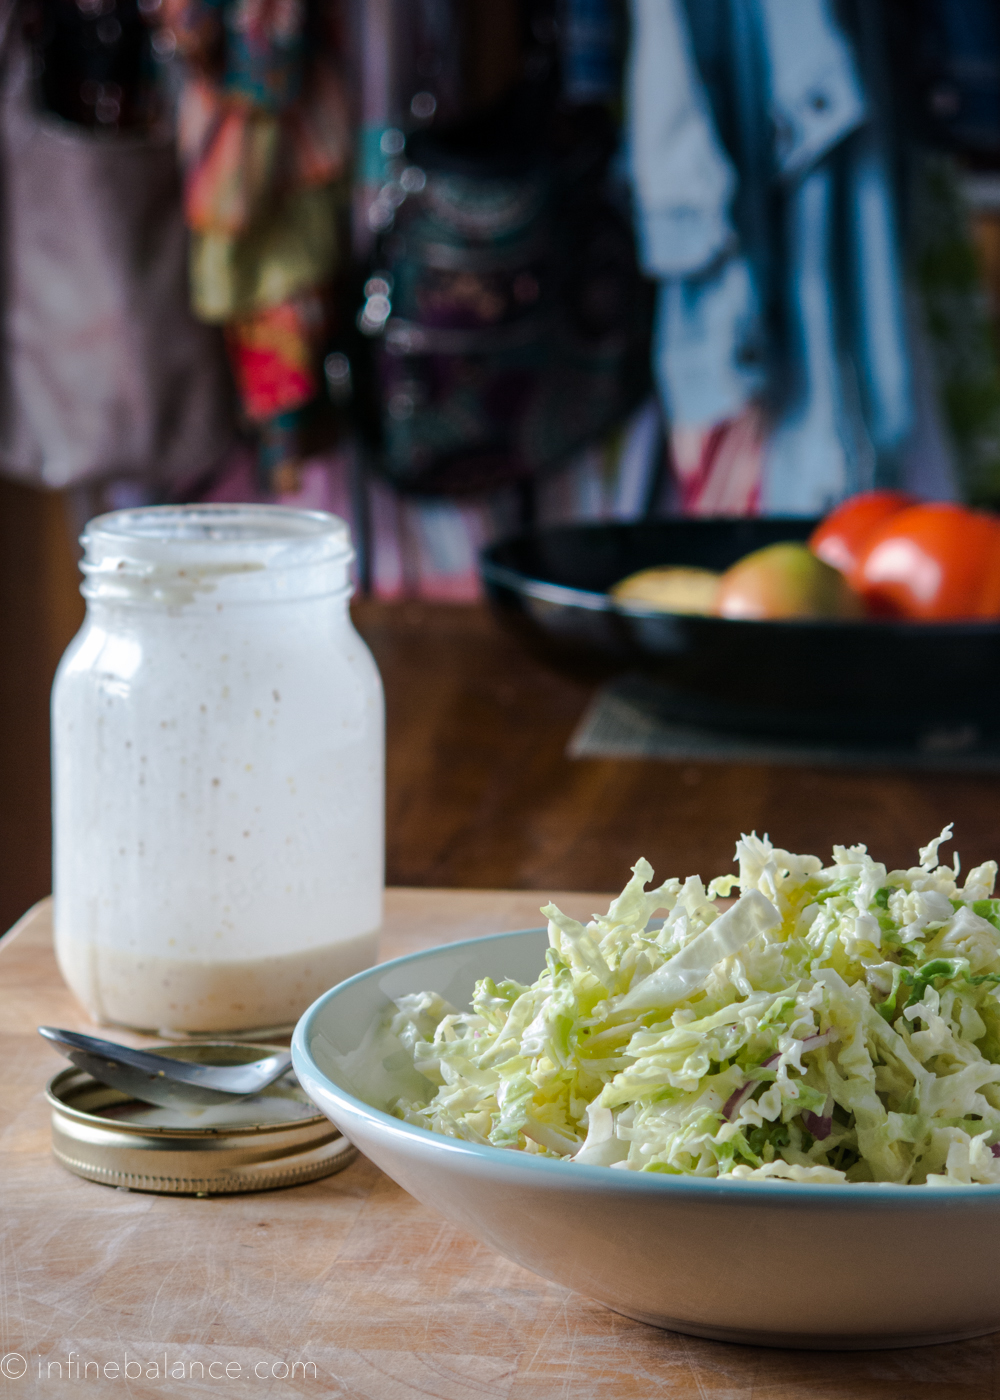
x: 349, y: 1282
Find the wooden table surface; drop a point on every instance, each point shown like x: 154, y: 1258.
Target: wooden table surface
x: 481, y: 793
x: 375, y: 1297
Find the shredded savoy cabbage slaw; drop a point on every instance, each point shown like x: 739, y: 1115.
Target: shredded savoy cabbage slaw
x: 836, y: 1024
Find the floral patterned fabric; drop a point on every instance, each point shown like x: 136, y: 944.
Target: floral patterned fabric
x: 265, y: 139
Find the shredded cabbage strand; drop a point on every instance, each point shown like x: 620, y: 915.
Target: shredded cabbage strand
x: 835, y: 1024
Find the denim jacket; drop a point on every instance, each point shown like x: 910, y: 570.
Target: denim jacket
x: 748, y: 126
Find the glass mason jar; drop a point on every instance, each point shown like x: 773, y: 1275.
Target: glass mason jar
x: 218, y: 760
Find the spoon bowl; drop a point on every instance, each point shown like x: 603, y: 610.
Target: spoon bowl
x: 156, y: 1078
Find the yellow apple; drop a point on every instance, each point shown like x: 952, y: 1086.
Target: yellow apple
x: 669, y: 589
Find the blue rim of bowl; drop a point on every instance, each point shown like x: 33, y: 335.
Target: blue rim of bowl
x: 848, y: 1193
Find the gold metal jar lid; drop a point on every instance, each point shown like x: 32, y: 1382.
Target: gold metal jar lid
x: 276, y: 1138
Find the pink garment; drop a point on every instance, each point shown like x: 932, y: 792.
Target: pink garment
x: 718, y: 468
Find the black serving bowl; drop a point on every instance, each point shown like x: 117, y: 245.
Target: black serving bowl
x: 887, y: 682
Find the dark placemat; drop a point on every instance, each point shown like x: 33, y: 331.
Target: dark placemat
x: 629, y: 718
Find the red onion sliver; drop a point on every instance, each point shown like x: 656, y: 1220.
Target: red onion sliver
x: 736, y: 1101
x: 995, y: 1149
x: 819, y: 1127
x: 812, y: 1042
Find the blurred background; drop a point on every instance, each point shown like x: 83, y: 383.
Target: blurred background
x: 455, y: 269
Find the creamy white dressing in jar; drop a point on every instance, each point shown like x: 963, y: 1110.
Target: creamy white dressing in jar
x: 218, y: 771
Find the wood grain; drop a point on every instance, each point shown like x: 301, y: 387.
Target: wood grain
x: 349, y: 1275
x: 481, y: 793
x: 40, y: 610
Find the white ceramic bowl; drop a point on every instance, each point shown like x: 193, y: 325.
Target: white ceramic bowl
x: 773, y: 1263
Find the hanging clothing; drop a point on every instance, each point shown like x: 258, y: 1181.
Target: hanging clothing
x: 684, y: 180
x: 264, y: 134
x: 107, y: 374
x: 815, y: 94
x: 781, y: 348
x: 588, y: 58
x: 707, y: 330
x: 848, y: 331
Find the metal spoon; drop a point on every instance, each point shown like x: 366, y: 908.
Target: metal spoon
x: 160, y: 1079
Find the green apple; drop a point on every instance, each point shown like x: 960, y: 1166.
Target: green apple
x: 785, y: 580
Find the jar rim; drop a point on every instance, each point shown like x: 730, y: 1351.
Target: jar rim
x: 173, y: 554
x: 142, y: 531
